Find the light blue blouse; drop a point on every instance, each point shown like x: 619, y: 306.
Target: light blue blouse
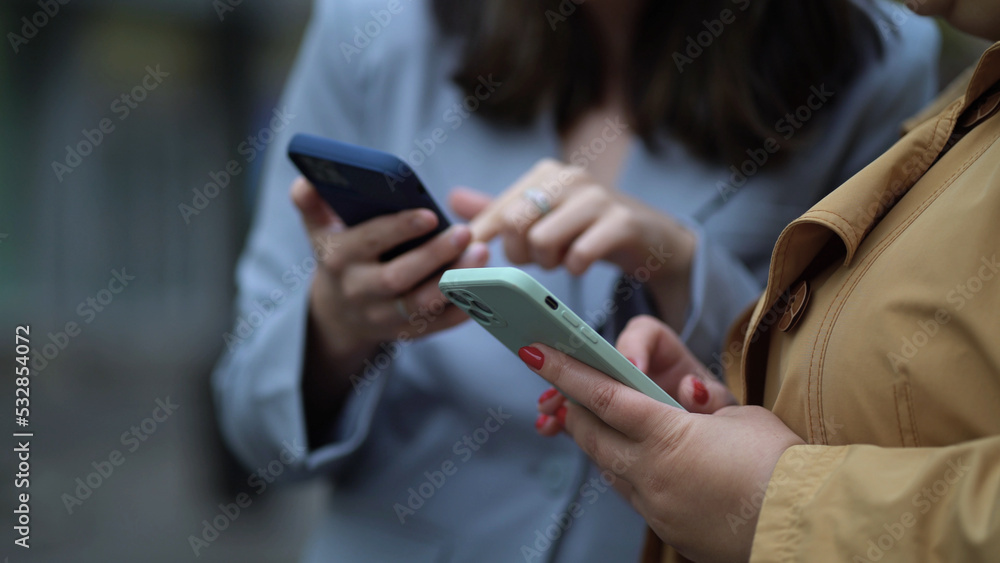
x: 435, y: 457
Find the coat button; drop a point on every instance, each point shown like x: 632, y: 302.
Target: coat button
x: 796, y: 305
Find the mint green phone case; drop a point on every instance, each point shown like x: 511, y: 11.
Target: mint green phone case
x: 518, y: 311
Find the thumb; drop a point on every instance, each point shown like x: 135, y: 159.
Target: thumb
x: 467, y: 203
x: 316, y: 214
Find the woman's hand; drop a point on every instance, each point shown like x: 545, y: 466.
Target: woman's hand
x: 658, y: 352
x: 357, y: 302
x: 686, y: 473
x: 557, y: 215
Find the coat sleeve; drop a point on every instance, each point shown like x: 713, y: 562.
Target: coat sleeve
x: 866, y: 503
x: 257, y: 384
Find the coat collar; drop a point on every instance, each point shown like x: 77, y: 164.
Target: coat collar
x: 853, y: 210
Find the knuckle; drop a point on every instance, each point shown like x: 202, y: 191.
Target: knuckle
x: 575, y: 175
x: 578, y: 259
x: 373, y: 317
x: 392, y: 280
x: 435, y: 304
x: 653, y: 483
x: 540, y: 240
x: 517, y: 257
x: 560, y: 369
x: 546, y: 260
x: 352, y: 291
x: 667, y: 435
x: 370, y: 238
x: 335, y: 264
x: 547, y: 165
x: 332, y: 259
x: 516, y: 250
x: 643, y: 321
x: 591, y: 446
x: 604, y: 397
x: 594, y: 194
x: 517, y: 219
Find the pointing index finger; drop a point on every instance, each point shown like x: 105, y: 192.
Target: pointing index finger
x: 490, y: 221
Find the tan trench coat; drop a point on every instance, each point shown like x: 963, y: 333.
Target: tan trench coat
x: 877, y: 340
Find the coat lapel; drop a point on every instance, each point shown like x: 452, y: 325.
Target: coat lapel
x: 849, y: 213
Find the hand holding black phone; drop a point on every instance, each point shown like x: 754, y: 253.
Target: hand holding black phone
x: 361, y: 183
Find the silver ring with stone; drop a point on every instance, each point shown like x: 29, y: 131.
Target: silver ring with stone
x: 541, y: 201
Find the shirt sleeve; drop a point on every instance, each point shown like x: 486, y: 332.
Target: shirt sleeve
x: 721, y: 287
x: 257, y: 384
x: 866, y: 503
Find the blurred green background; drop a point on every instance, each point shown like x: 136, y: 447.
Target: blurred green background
x: 61, y: 242
x: 117, y: 210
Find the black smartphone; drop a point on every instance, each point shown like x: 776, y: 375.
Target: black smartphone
x: 361, y: 183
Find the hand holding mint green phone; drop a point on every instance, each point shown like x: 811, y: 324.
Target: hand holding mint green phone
x: 518, y: 311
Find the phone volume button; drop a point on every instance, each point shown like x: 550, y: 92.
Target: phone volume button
x: 589, y: 333
x: 569, y: 318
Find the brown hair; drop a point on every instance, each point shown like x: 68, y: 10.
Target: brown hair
x: 719, y: 101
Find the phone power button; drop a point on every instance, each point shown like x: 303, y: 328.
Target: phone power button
x: 569, y: 318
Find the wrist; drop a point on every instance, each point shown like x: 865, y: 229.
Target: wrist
x: 680, y: 249
x: 333, y: 348
x: 670, y: 284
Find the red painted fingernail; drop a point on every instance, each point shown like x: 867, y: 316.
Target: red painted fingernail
x: 700, y: 392
x: 548, y: 395
x: 531, y: 356
x: 561, y: 415
x: 540, y: 421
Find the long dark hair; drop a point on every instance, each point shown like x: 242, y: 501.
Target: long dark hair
x: 719, y: 102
